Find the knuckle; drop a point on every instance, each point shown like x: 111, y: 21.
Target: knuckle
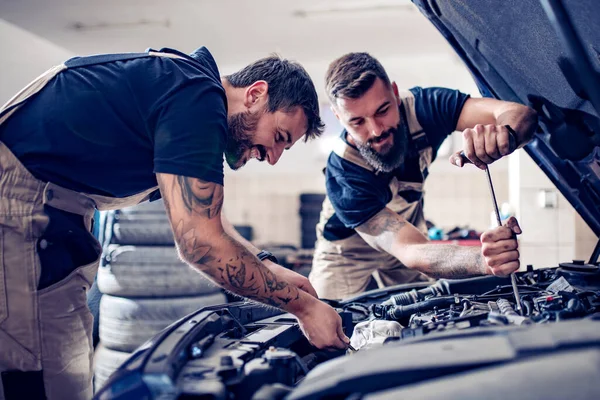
x: 467, y: 133
x: 503, y: 271
x: 493, y: 152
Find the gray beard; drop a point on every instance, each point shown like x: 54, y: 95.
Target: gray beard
x: 394, y: 157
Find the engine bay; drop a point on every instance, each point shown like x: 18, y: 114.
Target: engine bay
x: 547, y: 295
x: 402, y: 335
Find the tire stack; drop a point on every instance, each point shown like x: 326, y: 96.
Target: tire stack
x: 145, y: 285
x: 310, y: 211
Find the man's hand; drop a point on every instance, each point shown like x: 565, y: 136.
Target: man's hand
x: 486, y: 138
x: 292, y: 277
x: 485, y: 144
x: 322, y: 326
x: 500, y: 248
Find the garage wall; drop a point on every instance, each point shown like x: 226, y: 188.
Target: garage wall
x: 270, y: 202
x: 24, y: 57
x: 461, y: 196
x: 553, y: 233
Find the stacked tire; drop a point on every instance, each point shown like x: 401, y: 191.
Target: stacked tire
x: 310, y: 211
x: 145, y: 285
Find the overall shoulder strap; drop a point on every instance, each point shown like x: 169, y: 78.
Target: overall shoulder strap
x: 349, y: 153
x: 77, y: 62
x: 409, y: 114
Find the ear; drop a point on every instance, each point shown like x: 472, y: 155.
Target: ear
x: 395, y: 90
x: 334, y: 111
x: 256, y: 94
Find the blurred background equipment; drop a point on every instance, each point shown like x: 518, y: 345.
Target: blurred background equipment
x: 310, y: 210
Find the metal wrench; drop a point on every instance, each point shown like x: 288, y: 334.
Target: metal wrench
x: 513, y: 278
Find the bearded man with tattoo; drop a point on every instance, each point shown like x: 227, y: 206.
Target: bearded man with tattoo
x: 372, y: 220
x: 105, y: 132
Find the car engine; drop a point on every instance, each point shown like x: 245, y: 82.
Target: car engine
x: 546, y: 296
x: 401, y: 336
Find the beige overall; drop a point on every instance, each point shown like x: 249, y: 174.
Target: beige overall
x: 48, y: 330
x: 343, y: 268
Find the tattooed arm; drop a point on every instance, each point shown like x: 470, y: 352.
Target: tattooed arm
x: 292, y: 277
x: 389, y: 232
x: 194, y: 210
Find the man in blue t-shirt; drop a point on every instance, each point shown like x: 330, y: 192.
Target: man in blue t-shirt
x: 109, y: 131
x: 372, y: 219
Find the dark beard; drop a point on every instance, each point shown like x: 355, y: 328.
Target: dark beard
x: 395, y: 156
x: 242, y: 128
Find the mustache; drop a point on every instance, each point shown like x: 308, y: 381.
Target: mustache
x: 384, y: 135
x: 393, y: 157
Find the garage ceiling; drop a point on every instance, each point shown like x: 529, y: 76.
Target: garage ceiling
x: 236, y: 31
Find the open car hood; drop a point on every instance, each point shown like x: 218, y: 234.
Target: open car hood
x: 545, y: 54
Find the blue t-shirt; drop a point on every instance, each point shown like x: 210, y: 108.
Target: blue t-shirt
x: 106, y: 129
x: 357, y: 194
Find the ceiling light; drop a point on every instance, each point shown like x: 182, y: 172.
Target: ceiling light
x: 81, y: 26
x: 352, y: 7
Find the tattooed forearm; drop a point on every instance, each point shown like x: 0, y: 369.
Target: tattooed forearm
x: 450, y: 261
x: 205, y: 198
x: 383, y: 223
x: 242, y: 274
x: 192, y: 206
x: 381, y: 230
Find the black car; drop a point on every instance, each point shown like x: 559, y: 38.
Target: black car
x: 455, y: 339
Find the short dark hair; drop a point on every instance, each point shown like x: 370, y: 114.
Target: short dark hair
x: 290, y: 86
x: 352, y: 75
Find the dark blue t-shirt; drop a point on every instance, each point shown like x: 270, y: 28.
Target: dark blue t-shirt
x: 108, y: 128
x: 357, y: 194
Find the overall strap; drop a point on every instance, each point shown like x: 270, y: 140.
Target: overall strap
x: 349, y: 153
x: 77, y: 62
x: 409, y: 114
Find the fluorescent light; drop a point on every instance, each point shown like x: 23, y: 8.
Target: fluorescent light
x: 353, y: 6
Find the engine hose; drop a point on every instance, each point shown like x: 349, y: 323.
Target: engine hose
x: 414, y: 296
x: 528, y: 305
x: 401, y: 312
